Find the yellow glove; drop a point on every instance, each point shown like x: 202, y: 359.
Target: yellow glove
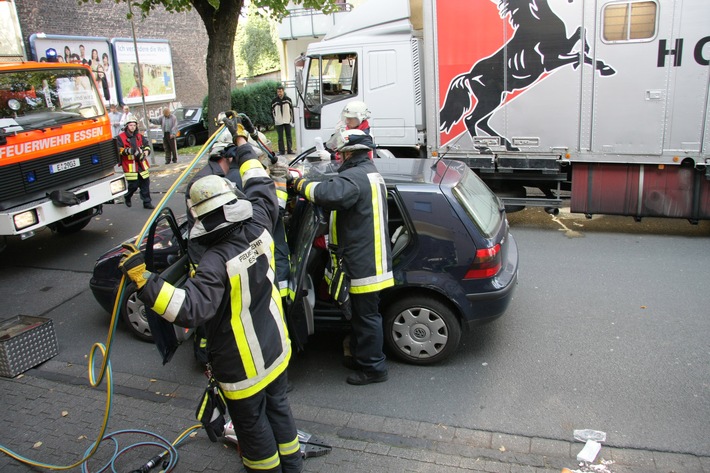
x: 242, y: 132
x: 133, y: 265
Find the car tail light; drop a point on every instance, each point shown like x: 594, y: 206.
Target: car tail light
x: 486, y: 264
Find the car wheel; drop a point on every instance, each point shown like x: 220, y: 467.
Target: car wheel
x: 133, y: 313
x: 421, y: 330
x: 191, y: 140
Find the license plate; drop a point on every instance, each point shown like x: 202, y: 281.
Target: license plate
x: 72, y: 163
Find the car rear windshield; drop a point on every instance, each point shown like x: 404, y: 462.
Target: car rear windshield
x: 479, y: 202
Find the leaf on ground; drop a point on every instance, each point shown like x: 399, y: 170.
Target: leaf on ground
x: 65, y: 413
x: 502, y: 448
x: 37, y: 445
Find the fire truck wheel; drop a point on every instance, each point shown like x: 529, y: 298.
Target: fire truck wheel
x: 74, y: 223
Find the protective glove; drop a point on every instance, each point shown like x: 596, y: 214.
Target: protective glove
x: 126, y: 152
x: 279, y: 171
x: 298, y: 184
x: 240, y: 131
x: 248, y: 126
x: 230, y: 121
x: 132, y: 264
x: 324, y: 155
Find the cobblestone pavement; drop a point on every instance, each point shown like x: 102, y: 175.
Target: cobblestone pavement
x: 52, y: 415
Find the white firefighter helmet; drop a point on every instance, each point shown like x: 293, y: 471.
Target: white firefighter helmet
x: 350, y: 140
x: 131, y: 119
x: 355, y: 109
x: 210, y: 193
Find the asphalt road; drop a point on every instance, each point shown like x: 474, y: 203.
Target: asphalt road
x: 608, y: 330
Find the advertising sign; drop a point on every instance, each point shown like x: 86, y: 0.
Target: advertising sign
x: 156, y: 70
x: 93, y: 51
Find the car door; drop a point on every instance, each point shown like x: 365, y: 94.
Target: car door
x: 307, y: 222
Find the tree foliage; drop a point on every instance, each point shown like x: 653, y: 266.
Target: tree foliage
x: 257, y: 52
x: 221, y: 18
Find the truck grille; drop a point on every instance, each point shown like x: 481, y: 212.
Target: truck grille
x: 14, y: 182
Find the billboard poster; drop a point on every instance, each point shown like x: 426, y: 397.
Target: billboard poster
x: 156, y: 70
x: 93, y: 51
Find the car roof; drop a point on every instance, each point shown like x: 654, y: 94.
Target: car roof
x: 417, y: 170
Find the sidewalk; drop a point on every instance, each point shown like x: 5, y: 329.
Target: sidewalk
x: 54, y: 404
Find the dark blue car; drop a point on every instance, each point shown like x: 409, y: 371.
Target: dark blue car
x: 455, y: 260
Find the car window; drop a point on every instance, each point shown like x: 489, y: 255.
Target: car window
x: 479, y: 202
x: 186, y: 113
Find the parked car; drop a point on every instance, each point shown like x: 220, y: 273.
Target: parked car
x: 192, y: 128
x: 455, y: 261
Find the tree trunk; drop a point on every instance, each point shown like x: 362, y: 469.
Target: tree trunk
x: 221, y: 26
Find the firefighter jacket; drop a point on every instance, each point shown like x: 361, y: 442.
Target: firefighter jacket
x: 132, y: 153
x: 233, y: 293
x: 357, y: 199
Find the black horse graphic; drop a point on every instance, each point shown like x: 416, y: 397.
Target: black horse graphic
x: 539, y: 45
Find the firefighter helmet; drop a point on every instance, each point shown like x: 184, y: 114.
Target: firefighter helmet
x: 356, y: 109
x: 350, y: 140
x: 131, y: 119
x: 210, y: 193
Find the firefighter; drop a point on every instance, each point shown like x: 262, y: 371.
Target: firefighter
x: 359, y: 240
x: 233, y: 294
x: 133, y: 155
x: 355, y: 116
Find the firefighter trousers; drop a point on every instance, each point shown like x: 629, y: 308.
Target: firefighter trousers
x: 142, y: 184
x: 266, y: 431
x: 367, y: 338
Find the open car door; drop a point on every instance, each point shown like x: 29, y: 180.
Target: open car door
x: 167, y: 336
x: 307, y: 222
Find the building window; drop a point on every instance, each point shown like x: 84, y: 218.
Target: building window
x: 629, y: 21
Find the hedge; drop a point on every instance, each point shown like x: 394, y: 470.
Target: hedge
x: 255, y: 101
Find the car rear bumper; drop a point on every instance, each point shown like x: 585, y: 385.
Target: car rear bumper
x: 492, y: 304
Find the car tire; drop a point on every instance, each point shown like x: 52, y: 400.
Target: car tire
x: 191, y: 140
x: 421, y: 330
x: 133, y: 314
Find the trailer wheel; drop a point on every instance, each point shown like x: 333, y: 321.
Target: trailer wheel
x: 516, y: 192
x: 74, y: 223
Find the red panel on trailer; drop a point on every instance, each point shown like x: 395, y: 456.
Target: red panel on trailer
x: 667, y: 191
x: 604, y: 189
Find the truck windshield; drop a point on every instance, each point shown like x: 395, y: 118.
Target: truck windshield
x: 36, y: 99
x: 330, y: 78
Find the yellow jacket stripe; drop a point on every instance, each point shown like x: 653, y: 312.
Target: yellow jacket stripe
x: 251, y: 168
x: 379, y: 231
x: 310, y: 188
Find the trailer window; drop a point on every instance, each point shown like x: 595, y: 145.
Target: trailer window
x: 330, y: 78
x: 629, y: 21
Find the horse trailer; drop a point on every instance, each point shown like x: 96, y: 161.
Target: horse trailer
x: 602, y: 101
